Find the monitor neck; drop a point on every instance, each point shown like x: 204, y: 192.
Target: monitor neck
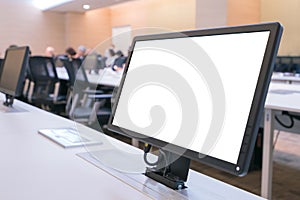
x: 9, y: 100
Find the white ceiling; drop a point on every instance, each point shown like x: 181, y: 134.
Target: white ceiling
x: 76, y: 5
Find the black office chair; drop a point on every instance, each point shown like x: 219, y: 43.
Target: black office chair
x: 104, y: 112
x: 285, y: 65
x: 93, y: 62
x: 72, y: 66
x: 82, y: 104
x: 277, y: 64
x: 296, y: 64
x: 44, y: 90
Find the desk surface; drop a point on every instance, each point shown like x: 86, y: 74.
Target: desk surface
x: 283, y: 96
x: 33, y: 167
x: 106, y: 77
x: 285, y: 78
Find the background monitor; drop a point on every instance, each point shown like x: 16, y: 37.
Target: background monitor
x: 13, y: 72
x: 199, y: 94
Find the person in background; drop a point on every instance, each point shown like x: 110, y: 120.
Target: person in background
x: 119, y: 61
x: 49, y: 52
x: 111, y: 58
x: 106, y: 53
x: 81, y: 53
x: 71, y: 53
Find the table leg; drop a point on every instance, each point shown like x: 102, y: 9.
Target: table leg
x: 267, y: 165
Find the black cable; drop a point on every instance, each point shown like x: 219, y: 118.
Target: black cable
x: 295, y: 116
x: 147, y: 148
x: 149, y: 163
x: 161, y: 157
x: 276, y: 138
x: 285, y: 113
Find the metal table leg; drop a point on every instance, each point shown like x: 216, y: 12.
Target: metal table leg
x: 267, y: 165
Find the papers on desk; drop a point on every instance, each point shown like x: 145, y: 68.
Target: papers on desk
x: 67, y: 137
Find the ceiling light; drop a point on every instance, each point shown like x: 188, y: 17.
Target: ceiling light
x: 46, y: 4
x: 86, y: 6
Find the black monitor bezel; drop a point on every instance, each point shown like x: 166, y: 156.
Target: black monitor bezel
x: 257, y: 106
x: 18, y: 90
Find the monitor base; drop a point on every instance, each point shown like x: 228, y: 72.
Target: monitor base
x: 9, y: 100
x: 168, y: 181
x: 171, y: 170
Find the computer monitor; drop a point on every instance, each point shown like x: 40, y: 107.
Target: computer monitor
x: 13, y: 73
x: 197, y: 95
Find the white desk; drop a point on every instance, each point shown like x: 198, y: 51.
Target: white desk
x: 106, y: 77
x: 282, y: 78
x: 33, y: 167
x: 280, y: 97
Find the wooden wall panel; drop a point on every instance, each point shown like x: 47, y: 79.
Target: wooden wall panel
x: 243, y: 12
x: 212, y: 13
x: 89, y: 29
x: 23, y: 24
x: 287, y: 13
x: 167, y: 14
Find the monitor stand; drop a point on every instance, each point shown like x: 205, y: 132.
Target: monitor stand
x: 170, y: 170
x: 9, y: 100
x: 7, y: 105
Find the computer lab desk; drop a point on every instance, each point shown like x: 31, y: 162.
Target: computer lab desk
x: 105, y: 77
x: 34, y: 168
x: 286, y: 78
x: 281, y: 97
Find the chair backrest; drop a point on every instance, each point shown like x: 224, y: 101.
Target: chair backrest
x: 70, y: 70
x: 90, y: 62
x: 75, y: 71
x: 79, y: 82
x: 286, y: 64
x: 43, y: 74
x: 81, y: 73
x: 42, y: 67
x: 296, y: 64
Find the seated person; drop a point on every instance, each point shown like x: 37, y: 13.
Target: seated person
x: 81, y: 53
x: 111, y: 58
x: 49, y: 52
x: 119, y: 61
x: 71, y: 53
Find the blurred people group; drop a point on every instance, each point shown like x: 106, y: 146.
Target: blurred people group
x: 111, y: 59
x: 92, y: 60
